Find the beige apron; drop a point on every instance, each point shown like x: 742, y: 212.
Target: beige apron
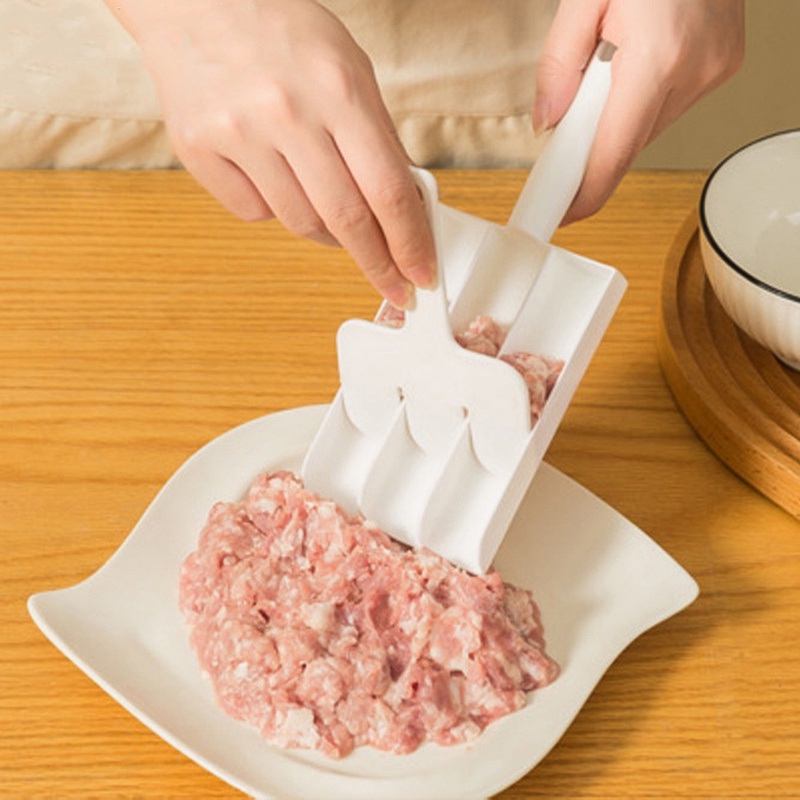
x: 457, y: 77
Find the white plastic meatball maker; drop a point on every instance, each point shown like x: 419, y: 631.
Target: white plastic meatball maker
x: 434, y: 443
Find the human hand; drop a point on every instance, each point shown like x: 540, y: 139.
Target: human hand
x: 274, y: 109
x: 670, y: 54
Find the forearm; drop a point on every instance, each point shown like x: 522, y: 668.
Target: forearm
x: 139, y: 17
x: 295, y: 130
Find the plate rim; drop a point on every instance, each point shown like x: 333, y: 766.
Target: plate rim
x: 309, y: 415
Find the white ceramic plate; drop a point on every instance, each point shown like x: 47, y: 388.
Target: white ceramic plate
x: 599, y: 581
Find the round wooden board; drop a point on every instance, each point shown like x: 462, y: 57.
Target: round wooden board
x: 740, y: 399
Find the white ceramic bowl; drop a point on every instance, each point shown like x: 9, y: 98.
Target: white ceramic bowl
x: 750, y: 240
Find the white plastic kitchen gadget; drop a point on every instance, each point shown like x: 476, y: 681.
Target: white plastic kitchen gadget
x: 432, y: 442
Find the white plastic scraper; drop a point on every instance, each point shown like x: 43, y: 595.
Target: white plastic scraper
x: 434, y: 443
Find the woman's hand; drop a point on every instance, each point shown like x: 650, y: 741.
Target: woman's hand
x: 275, y: 110
x: 670, y: 54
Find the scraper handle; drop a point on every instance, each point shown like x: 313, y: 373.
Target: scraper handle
x: 427, y: 323
x: 556, y: 177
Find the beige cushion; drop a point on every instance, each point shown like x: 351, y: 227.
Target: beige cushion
x: 457, y: 77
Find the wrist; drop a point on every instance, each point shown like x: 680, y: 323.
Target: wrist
x: 141, y: 17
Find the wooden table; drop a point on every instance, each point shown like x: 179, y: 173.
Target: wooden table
x: 138, y: 320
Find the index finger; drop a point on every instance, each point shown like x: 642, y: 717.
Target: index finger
x: 384, y: 178
x: 381, y: 221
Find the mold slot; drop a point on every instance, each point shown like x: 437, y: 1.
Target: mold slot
x: 506, y: 267
x: 339, y: 442
x: 400, y: 499
x: 461, y: 236
x: 461, y: 506
x: 559, y: 310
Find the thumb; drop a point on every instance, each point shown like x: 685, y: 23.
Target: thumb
x: 567, y: 49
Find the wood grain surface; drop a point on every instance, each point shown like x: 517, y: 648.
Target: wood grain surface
x: 742, y: 401
x: 138, y: 320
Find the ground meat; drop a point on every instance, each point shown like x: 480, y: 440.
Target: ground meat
x: 324, y: 633
x: 540, y: 374
x: 484, y: 335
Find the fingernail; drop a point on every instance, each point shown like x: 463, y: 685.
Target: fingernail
x: 424, y: 277
x: 541, y: 115
x: 402, y: 296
